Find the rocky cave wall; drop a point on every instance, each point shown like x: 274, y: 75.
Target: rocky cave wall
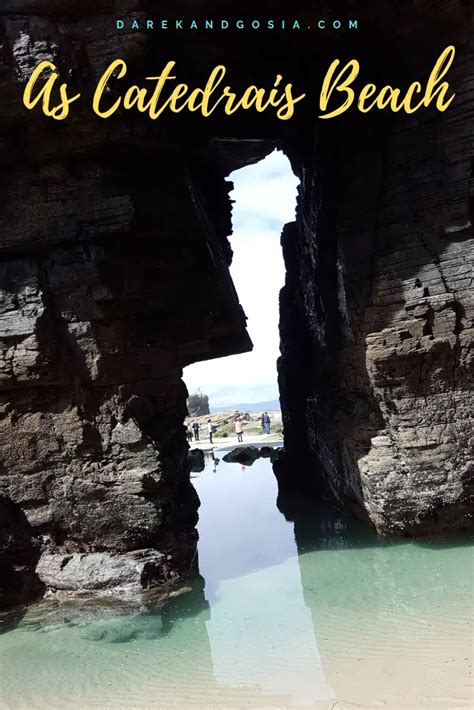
x: 114, y: 275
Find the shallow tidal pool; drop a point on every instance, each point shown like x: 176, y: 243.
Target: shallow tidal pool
x: 315, y: 613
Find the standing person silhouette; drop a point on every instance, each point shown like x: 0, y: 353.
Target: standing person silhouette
x: 266, y: 423
x: 211, y: 430
x: 239, y: 429
x: 196, y: 430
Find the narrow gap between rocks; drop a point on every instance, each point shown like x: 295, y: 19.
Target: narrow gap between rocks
x: 242, y: 390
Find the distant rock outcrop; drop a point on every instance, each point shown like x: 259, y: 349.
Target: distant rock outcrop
x: 198, y: 404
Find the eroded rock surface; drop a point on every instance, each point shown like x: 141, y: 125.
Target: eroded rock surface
x: 97, y: 281
x: 376, y: 373
x: 101, y: 572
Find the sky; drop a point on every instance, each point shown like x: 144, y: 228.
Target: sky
x: 265, y: 199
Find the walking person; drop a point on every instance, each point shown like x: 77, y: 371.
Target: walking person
x: 262, y: 421
x: 189, y: 433
x: 239, y: 429
x: 196, y: 431
x: 211, y: 430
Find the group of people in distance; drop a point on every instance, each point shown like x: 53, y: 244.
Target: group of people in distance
x: 193, y: 430
x: 264, y: 420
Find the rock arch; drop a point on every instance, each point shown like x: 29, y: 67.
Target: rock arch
x: 99, y: 264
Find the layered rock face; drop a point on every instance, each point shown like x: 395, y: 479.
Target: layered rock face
x: 114, y: 276
x: 103, y: 301
x: 377, y: 317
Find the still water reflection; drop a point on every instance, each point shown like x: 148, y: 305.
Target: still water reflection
x: 244, y: 537
x: 318, y: 613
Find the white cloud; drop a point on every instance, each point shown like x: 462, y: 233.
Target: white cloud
x: 265, y: 198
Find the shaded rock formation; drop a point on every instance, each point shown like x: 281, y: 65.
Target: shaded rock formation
x: 377, y: 315
x: 97, y: 277
x: 247, y: 455
x: 106, y: 225
x: 19, y: 552
x: 196, y: 460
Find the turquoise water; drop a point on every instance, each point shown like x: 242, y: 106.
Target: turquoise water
x: 318, y: 613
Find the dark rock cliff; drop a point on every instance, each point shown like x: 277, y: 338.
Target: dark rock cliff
x: 376, y: 370
x: 107, y: 224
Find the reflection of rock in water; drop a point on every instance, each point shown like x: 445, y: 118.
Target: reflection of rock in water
x: 166, y: 604
x: 155, y: 620
x: 189, y: 602
x: 318, y: 524
x: 380, y: 608
x: 211, y: 458
x: 124, y: 629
